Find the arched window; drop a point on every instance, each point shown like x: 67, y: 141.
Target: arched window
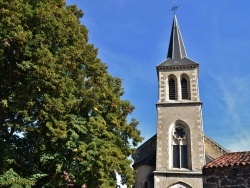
x: 184, y: 88
x: 172, y: 88
x: 180, y: 147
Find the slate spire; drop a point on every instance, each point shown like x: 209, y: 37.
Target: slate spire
x: 177, y: 56
x: 176, y: 49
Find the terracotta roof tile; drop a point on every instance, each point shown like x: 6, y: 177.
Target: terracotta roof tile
x: 230, y: 159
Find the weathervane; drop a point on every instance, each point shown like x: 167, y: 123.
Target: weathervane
x: 174, y: 8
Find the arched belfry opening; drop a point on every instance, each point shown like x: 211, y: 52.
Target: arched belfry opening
x: 185, y: 87
x: 172, y: 87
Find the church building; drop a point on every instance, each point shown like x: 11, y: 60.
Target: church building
x: 175, y: 156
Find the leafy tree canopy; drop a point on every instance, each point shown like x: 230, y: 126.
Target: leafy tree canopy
x: 62, y: 120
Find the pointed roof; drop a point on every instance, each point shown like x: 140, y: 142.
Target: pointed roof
x: 177, y: 55
x: 176, y: 47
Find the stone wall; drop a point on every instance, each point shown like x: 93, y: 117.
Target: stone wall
x: 177, y: 180
x: 144, y: 175
x: 225, y: 177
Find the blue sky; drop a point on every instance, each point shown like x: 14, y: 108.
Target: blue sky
x: 133, y: 35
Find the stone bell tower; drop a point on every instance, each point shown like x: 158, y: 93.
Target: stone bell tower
x: 180, y: 139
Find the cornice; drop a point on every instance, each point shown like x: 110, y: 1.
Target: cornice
x: 185, y: 172
x: 171, y: 67
x: 178, y: 103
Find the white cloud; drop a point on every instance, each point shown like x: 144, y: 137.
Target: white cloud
x: 235, y: 99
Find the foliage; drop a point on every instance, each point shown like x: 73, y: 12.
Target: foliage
x: 61, y: 112
x: 13, y: 180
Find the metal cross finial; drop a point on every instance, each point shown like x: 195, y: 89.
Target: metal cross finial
x: 174, y: 8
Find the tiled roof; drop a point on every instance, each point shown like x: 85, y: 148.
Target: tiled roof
x: 230, y: 159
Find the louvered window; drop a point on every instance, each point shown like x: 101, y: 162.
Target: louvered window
x: 184, y: 88
x: 172, y: 89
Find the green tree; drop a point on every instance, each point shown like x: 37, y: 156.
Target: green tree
x: 62, y: 120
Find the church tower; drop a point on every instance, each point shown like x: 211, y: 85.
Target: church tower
x: 180, y: 151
